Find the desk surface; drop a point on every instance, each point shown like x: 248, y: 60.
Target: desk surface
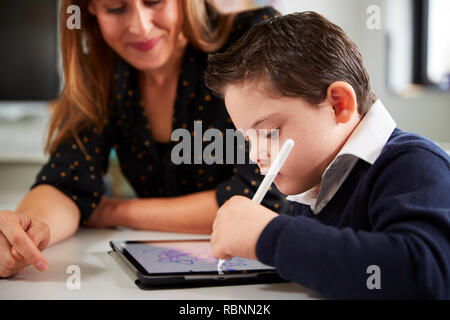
x: 104, y: 278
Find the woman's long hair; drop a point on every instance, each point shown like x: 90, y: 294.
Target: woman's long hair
x: 88, y: 65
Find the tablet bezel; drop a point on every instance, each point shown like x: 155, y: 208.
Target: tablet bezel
x: 141, y: 269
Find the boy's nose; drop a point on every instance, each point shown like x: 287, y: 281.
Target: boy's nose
x: 259, y: 157
x: 253, y: 155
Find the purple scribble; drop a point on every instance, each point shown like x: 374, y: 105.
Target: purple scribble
x: 174, y: 256
x: 233, y: 262
x: 196, y: 257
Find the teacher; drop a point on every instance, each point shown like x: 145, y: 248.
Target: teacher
x: 133, y: 74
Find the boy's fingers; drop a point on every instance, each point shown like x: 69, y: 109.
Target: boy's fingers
x: 212, y: 240
x: 18, y: 239
x: 217, y: 249
x: 217, y: 221
x: 220, y: 254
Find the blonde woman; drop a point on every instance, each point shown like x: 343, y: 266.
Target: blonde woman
x: 133, y: 74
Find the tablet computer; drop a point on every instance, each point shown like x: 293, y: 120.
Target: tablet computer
x: 187, y: 263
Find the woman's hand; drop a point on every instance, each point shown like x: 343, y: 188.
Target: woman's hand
x: 237, y: 228
x: 21, y: 241
x: 109, y: 213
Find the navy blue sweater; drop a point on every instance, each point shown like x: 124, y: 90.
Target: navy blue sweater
x: 394, y: 214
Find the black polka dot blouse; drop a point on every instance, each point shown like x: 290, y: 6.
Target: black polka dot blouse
x: 146, y: 164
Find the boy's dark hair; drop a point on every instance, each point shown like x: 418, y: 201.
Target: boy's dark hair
x: 301, y: 55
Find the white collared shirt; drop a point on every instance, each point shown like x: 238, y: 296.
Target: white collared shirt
x: 366, y: 143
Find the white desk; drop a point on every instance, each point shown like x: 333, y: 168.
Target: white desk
x: 104, y: 278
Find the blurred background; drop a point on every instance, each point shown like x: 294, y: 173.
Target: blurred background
x: 405, y: 43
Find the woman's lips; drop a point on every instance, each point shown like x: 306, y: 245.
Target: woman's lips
x: 146, y: 45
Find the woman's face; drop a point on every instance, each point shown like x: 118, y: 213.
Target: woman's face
x: 143, y: 33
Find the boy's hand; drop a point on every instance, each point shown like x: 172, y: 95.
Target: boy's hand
x: 237, y: 227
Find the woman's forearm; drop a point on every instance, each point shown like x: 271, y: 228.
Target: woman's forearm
x: 49, y: 205
x: 194, y: 213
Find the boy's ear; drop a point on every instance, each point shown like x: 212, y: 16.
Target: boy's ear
x: 342, y: 97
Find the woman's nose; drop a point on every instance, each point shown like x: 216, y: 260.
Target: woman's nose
x: 141, y: 22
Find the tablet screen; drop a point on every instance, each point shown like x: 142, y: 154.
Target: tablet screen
x: 163, y: 257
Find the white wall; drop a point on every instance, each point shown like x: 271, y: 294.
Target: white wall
x: 427, y: 113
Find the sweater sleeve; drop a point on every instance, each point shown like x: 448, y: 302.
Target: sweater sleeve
x: 409, y: 240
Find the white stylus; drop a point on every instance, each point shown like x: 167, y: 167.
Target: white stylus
x: 269, y: 178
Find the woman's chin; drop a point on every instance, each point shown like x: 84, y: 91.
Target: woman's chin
x: 144, y: 62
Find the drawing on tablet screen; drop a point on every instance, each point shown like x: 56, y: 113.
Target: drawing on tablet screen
x: 180, y: 257
x: 195, y: 257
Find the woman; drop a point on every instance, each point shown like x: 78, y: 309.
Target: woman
x: 133, y: 73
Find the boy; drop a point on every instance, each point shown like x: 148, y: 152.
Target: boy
x: 372, y: 203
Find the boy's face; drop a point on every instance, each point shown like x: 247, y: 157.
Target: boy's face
x: 314, y: 130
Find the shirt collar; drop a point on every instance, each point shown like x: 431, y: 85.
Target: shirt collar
x: 371, y: 134
x: 366, y: 143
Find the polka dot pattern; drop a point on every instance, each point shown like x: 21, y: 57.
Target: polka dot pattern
x: 76, y: 173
